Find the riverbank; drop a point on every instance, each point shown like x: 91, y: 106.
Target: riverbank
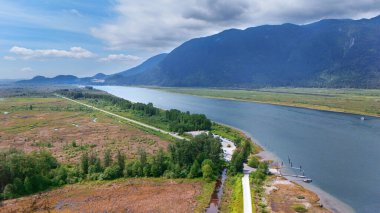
x: 296, y: 186
x: 353, y: 101
x: 315, y: 199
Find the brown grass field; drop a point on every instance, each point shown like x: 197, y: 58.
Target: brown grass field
x: 123, y: 195
x: 67, y: 130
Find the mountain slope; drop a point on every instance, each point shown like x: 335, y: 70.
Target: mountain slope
x: 149, y: 64
x: 328, y: 53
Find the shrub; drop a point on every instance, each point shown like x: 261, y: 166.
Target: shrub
x: 299, y: 208
x: 111, y: 172
x: 253, y: 162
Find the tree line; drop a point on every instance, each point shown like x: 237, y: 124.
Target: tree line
x: 26, y: 173
x: 175, y: 120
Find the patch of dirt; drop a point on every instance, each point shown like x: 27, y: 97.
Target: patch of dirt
x: 283, y: 195
x: 130, y: 195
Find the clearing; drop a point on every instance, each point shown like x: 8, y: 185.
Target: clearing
x: 67, y: 130
x: 123, y: 195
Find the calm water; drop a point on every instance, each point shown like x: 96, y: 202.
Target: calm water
x: 338, y: 151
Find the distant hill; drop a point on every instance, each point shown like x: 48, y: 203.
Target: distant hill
x: 327, y: 53
x: 60, y: 79
x: 100, y: 78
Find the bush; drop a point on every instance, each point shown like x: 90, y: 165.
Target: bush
x: 111, y: 173
x: 253, y: 162
x: 299, y: 208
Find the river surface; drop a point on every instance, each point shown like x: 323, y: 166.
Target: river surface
x: 340, y: 152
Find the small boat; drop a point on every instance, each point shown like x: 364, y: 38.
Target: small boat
x: 307, y: 180
x: 362, y: 118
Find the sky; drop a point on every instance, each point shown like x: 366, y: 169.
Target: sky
x: 85, y: 37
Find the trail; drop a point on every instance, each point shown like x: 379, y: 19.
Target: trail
x: 124, y: 118
x: 247, y: 194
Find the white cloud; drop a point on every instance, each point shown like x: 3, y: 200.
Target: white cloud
x: 9, y: 58
x: 26, y: 69
x: 73, y: 52
x: 119, y: 57
x: 160, y: 25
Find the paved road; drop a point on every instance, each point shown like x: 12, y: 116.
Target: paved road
x: 124, y: 118
x: 247, y: 194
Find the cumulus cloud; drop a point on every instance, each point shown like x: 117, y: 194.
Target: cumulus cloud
x: 9, y: 58
x: 160, y: 25
x: 218, y: 10
x: 73, y: 52
x: 26, y: 69
x: 119, y: 57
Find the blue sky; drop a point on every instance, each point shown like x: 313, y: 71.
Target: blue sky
x: 85, y: 37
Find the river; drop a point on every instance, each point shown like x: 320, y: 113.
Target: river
x: 340, y: 152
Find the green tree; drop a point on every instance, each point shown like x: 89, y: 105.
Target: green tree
x: 142, y: 156
x: 207, y: 172
x: 195, y: 170
x: 84, y: 163
x: 28, y: 185
x: 120, y: 161
x: 107, y: 158
x: 237, y: 161
x: 137, y: 169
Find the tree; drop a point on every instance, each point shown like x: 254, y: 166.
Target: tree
x: 120, y: 161
x: 137, y: 169
x: 28, y: 185
x: 142, y: 156
x: 84, y: 163
x: 195, y: 170
x: 237, y: 161
x: 207, y: 172
x: 107, y: 158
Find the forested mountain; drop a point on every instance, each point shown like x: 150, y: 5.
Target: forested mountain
x: 328, y: 53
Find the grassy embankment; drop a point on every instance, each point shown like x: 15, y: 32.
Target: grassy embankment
x: 356, y: 101
x: 232, y: 200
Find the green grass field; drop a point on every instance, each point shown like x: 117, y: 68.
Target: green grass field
x: 356, y: 101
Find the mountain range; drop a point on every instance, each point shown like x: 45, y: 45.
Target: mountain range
x: 327, y: 53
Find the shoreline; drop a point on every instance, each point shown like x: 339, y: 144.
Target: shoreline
x: 328, y: 201
x: 331, y: 203
x: 301, y: 106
